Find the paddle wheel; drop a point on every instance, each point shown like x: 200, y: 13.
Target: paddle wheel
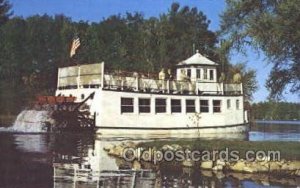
x: 66, y: 114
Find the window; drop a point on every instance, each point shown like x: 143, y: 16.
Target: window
x: 217, y: 106
x: 237, y: 104
x: 175, y: 105
x: 211, y: 74
x: 204, y: 107
x: 205, y: 74
x: 198, y: 73
x: 189, y: 73
x: 160, y: 106
x: 190, y: 106
x: 126, y: 105
x: 82, y: 96
x: 144, y: 105
x: 228, y: 103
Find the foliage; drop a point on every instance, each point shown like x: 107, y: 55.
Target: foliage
x: 272, y: 26
x: 33, y: 48
x: 4, y: 11
x: 247, y: 78
x: 276, y: 111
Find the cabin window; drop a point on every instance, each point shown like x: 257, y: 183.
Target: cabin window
x: 228, y: 103
x: 211, y: 74
x: 198, y: 73
x: 189, y: 73
x: 205, y: 74
x: 204, y: 107
x: 126, y: 105
x: 160, y: 105
x: 82, y: 96
x: 175, y: 105
x: 217, y: 106
x: 144, y: 105
x: 237, y: 104
x: 190, y: 106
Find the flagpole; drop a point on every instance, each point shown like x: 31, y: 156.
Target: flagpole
x: 78, y: 76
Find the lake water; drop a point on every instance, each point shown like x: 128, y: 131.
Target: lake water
x: 78, y: 160
x: 275, y: 131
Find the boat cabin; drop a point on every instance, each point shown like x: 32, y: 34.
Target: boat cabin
x: 197, y: 68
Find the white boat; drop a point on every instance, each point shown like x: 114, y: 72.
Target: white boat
x: 192, y: 102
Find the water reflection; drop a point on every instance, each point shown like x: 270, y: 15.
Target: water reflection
x: 79, y: 161
x: 95, y: 168
x: 35, y: 143
x: 23, y: 164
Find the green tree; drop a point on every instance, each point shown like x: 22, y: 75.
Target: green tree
x: 247, y: 78
x: 272, y: 110
x: 179, y: 29
x: 32, y: 49
x: 12, y: 58
x: 273, y: 27
x: 5, y: 12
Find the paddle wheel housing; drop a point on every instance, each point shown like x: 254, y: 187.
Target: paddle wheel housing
x: 66, y: 114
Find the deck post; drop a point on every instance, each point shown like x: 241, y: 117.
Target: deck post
x: 122, y: 84
x: 241, y: 85
x: 168, y: 86
x: 137, y: 83
x: 102, y: 74
x: 222, y: 88
x: 78, y: 77
x: 58, y: 78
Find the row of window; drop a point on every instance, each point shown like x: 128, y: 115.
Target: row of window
x: 144, y: 105
x: 205, y: 74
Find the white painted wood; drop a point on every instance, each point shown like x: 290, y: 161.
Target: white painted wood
x: 106, y: 103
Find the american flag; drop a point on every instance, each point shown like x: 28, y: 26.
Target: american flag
x: 75, y: 45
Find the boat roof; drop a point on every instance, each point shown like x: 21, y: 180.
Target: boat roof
x: 197, y: 59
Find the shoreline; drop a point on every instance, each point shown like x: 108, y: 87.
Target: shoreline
x: 290, y: 122
x: 288, y: 165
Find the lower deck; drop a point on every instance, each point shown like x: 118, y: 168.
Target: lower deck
x: 147, y: 110
x: 126, y: 109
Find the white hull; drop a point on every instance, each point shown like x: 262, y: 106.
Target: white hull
x: 109, y: 120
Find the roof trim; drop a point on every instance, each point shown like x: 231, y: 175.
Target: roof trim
x: 197, y: 65
x: 197, y: 59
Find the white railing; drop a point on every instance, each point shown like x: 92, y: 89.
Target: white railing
x: 169, y: 86
x: 233, y: 89
x: 209, y: 88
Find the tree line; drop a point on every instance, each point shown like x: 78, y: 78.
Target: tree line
x: 31, y: 49
x: 276, y: 111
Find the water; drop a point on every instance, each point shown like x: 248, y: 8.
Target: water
x: 30, y: 121
x: 275, y: 131
x: 78, y: 160
x: 70, y: 160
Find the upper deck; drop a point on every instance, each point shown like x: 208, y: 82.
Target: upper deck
x: 92, y: 76
x: 148, y: 85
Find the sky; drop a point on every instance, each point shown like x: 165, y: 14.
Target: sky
x: 97, y: 10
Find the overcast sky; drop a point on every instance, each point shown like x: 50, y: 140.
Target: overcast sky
x: 96, y: 10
